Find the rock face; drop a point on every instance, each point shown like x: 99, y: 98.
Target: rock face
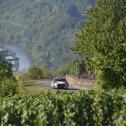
x: 46, y: 29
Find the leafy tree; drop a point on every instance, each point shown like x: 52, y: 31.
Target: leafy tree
x: 5, y: 69
x: 7, y: 80
x: 35, y: 73
x: 77, y: 68
x: 102, y: 44
x: 63, y: 70
x: 46, y: 73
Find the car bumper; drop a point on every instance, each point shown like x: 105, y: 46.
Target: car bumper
x: 60, y: 86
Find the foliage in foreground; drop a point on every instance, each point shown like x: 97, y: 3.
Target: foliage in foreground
x: 5, y: 69
x: 7, y: 80
x: 88, y: 108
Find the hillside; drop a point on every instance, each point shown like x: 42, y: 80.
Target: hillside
x: 46, y: 29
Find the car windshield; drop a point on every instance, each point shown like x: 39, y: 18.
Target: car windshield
x: 60, y: 79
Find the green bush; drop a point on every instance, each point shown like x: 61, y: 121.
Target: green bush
x: 7, y: 80
x: 77, y: 68
x: 5, y: 69
x: 46, y: 73
x: 7, y: 86
x: 89, y: 108
x: 35, y: 72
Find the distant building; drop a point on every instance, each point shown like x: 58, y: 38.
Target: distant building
x: 10, y: 57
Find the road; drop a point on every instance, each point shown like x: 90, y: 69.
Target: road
x: 47, y: 84
x: 34, y: 87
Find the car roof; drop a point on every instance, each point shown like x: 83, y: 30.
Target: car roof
x: 59, y: 78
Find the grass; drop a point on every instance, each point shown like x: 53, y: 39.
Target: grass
x: 32, y: 87
x: 30, y: 90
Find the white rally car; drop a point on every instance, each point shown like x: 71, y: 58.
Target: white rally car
x: 59, y: 82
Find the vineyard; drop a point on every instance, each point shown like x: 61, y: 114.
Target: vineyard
x: 89, y: 108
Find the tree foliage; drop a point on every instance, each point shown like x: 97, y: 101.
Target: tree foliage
x: 5, y: 69
x: 35, y: 73
x: 102, y: 44
x: 7, y: 80
x: 77, y: 68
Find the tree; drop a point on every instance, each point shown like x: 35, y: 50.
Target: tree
x: 7, y: 80
x: 5, y: 69
x: 101, y: 42
x: 77, y: 68
x: 35, y: 72
x: 46, y: 73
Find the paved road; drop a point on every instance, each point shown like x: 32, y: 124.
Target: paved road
x: 47, y: 84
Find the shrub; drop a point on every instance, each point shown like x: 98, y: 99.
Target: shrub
x: 7, y: 80
x: 89, y: 108
x: 7, y: 86
x: 5, y: 69
x: 35, y: 72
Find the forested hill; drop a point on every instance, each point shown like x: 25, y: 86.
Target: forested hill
x: 45, y: 28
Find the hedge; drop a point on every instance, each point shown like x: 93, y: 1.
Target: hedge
x: 62, y: 108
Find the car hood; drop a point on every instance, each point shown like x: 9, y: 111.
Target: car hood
x: 60, y: 82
